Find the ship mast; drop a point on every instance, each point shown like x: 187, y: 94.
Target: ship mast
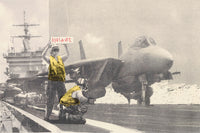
x: 27, y: 36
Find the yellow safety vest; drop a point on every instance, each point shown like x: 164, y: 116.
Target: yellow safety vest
x: 56, y: 69
x: 67, y: 99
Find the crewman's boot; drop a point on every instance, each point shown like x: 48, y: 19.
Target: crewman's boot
x: 46, y: 118
x: 47, y: 114
x: 76, y: 119
x: 62, y: 115
x: 82, y: 121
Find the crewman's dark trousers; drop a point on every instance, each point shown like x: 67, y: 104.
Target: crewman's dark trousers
x: 52, y: 88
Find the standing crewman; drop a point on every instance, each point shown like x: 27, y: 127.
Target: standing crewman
x: 56, y: 78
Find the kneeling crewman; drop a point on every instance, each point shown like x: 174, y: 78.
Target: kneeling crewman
x: 74, y: 102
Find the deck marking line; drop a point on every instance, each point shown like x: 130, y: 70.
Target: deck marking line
x: 108, y: 126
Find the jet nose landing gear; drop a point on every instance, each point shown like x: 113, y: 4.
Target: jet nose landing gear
x: 146, y: 91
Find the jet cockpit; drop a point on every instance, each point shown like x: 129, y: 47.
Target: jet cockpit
x: 143, y: 42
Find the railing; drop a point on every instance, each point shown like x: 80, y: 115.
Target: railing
x: 24, y: 54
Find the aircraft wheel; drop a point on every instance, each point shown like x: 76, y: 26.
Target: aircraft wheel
x: 139, y: 101
x: 147, y: 101
x: 149, y: 92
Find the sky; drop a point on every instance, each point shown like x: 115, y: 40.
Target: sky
x: 101, y: 24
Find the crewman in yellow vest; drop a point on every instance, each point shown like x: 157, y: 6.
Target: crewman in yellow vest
x: 74, y: 102
x: 56, y: 78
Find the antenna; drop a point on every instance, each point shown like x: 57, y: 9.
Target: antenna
x: 26, y: 37
x: 26, y: 25
x: 24, y: 17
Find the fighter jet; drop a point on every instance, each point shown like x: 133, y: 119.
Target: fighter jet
x: 131, y: 74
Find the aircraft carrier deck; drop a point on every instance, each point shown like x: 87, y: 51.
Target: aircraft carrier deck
x: 104, y: 118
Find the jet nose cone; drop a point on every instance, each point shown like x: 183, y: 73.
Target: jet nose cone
x: 169, y: 62
x: 167, y: 58
x: 159, y: 59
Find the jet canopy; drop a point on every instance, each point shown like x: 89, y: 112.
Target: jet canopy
x: 143, y: 42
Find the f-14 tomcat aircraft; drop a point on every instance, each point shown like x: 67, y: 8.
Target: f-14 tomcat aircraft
x: 131, y: 74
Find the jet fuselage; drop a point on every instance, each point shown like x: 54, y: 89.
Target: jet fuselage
x: 151, y: 59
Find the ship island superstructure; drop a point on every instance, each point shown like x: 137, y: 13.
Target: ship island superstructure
x: 25, y: 64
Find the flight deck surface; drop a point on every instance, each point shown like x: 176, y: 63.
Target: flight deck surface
x: 157, y: 118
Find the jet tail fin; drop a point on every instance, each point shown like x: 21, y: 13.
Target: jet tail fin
x: 119, y: 49
x: 82, y: 51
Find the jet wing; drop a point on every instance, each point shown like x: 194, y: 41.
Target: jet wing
x: 98, y: 72
x: 101, y: 71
